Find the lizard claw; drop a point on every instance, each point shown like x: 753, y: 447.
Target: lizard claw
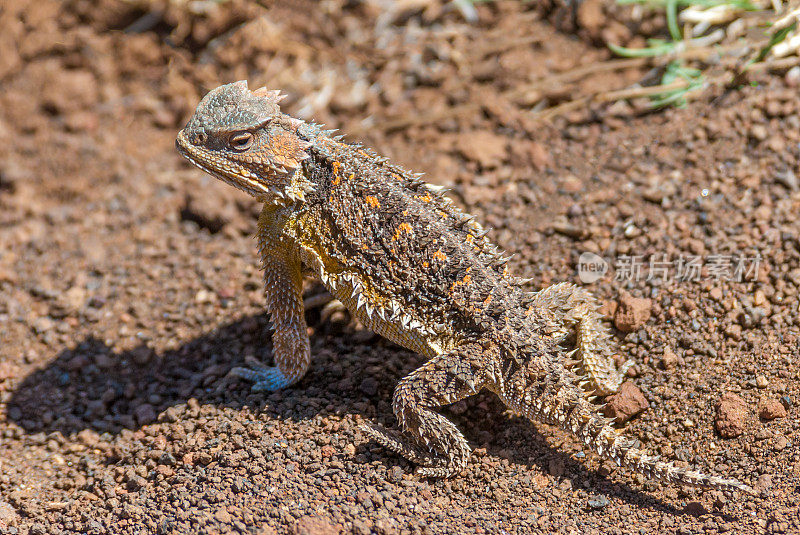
x: 264, y: 378
x: 399, y: 444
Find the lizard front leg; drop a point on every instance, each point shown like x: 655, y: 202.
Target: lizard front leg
x: 283, y: 289
x: 428, y: 438
x: 573, y: 311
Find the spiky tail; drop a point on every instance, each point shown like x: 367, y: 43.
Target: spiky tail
x: 556, y: 400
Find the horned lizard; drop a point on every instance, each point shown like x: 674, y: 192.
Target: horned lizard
x: 417, y: 270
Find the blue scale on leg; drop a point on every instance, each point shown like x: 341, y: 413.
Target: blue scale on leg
x: 264, y: 378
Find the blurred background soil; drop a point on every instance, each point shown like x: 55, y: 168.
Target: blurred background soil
x: 129, y: 283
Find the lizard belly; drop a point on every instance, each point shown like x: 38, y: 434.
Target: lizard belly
x: 379, y: 314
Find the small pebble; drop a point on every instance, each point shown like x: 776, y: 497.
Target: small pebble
x: 670, y: 360
x: 781, y: 443
x: 598, y: 502
x: 730, y: 417
x: 626, y: 403
x: 770, y: 409
x: 792, y: 76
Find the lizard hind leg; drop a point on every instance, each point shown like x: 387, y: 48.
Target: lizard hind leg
x: 573, y: 311
x: 428, y: 438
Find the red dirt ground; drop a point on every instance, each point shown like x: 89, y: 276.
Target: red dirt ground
x: 129, y: 284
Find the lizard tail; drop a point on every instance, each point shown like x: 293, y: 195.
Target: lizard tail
x: 560, y: 402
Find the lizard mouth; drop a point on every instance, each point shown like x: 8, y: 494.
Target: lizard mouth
x: 224, y: 170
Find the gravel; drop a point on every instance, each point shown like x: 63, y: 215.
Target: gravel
x: 129, y: 284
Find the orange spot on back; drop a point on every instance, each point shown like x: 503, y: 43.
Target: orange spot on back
x: 372, y: 201
x: 462, y: 282
x: 402, y: 227
x: 439, y: 255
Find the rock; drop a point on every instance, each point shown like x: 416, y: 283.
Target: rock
x: 204, y: 296
x: 486, y: 148
x: 792, y: 76
x: 77, y: 363
x: 136, y: 482
x: 598, y: 502
x: 145, y: 414
x: 695, y: 509
x: 571, y: 184
x: 759, y: 132
x: 762, y: 382
x: 171, y: 414
x: 731, y: 415
x: 369, y: 386
x: 626, y: 403
x: 8, y: 515
x: 314, y: 525
x: 222, y: 515
x: 43, y: 324
x: 770, y: 408
x: 74, y: 298
x: 764, y: 482
x: 88, y: 437
x: 632, y: 312
x: 141, y: 355
x: 788, y: 179
x: 670, y: 360
x: 781, y: 443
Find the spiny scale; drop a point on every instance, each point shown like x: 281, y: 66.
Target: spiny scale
x: 417, y: 270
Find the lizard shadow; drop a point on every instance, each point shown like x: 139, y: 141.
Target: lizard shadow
x: 516, y: 440
x: 91, y: 387
x: 541, y: 459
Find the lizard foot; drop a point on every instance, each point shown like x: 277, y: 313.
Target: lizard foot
x: 428, y: 438
x: 431, y: 464
x: 573, y: 313
x: 264, y: 378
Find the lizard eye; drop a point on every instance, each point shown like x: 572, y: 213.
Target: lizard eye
x: 240, y: 141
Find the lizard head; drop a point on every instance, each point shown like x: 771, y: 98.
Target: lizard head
x: 241, y: 137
